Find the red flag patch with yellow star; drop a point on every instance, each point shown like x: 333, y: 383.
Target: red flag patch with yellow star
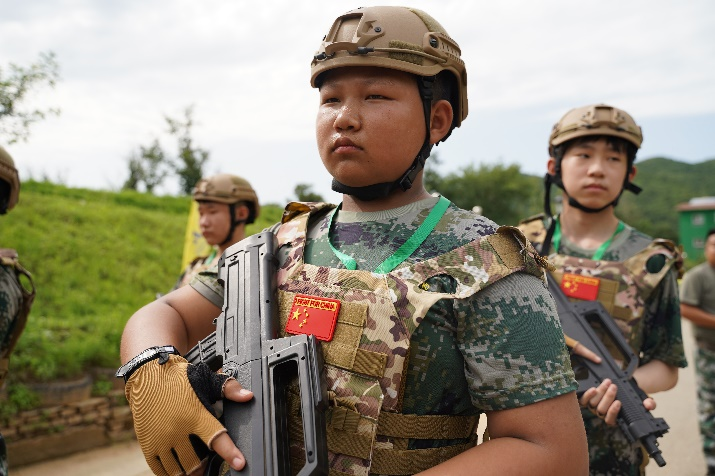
x: 580, y: 287
x: 313, y: 315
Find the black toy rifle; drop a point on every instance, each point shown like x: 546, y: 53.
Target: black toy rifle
x: 245, y: 346
x: 577, y: 319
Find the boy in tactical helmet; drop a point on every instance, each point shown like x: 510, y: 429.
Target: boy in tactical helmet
x: 444, y: 316
x: 227, y: 203
x: 592, y: 150
x: 15, y: 299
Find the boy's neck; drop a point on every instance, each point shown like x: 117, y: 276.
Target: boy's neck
x: 396, y: 199
x: 587, y: 230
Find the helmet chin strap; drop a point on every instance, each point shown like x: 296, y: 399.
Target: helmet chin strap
x: 234, y: 223
x: 382, y: 190
x: 556, y: 180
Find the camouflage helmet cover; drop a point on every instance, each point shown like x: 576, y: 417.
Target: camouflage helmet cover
x: 405, y: 39
x: 597, y: 119
x: 226, y: 188
x: 8, y: 172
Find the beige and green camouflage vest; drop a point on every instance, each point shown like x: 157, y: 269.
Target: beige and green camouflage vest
x: 624, y: 287
x: 365, y: 362
x: 15, y: 303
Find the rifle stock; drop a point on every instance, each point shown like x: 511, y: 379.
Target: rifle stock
x: 245, y: 345
x: 577, y: 318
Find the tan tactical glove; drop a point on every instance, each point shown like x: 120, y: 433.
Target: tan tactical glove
x: 170, y: 403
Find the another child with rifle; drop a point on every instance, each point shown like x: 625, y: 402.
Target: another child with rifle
x: 598, y: 257
x: 443, y: 317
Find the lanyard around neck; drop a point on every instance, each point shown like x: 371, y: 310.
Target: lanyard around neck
x: 601, y: 249
x: 404, y: 251
x: 211, y: 256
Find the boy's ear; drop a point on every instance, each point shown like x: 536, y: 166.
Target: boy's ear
x: 632, y: 173
x: 441, y: 120
x: 242, y: 212
x: 551, y: 166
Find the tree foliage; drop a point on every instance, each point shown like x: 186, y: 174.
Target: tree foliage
x: 16, y: 84
x: 151, y: 165
x: 304, y: 193
x: 666, y: 183
x: 190, y: 162
x: 504, y: 194
x: 147, y: 166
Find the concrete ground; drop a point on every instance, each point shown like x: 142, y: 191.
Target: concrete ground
x: 680, y: 447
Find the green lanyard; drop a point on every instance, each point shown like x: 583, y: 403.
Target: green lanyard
x: 601, y: 249
x: 211, y: 256
x: 404, y: 252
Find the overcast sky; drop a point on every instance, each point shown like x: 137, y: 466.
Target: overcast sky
x: 244, y: 66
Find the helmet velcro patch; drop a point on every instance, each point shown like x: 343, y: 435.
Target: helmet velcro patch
x: 414, y: 59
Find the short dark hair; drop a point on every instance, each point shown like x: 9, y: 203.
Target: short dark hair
x: 711, y: 231
x: 617, y: 143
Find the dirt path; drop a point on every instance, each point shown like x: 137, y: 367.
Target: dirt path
x: 681, y: 446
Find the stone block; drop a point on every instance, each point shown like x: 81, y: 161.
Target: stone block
x: 41, y: 448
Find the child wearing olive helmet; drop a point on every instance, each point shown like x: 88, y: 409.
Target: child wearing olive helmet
x: 15, y: 299
x: 592, y: 152
x: 227, y: 203
x: 444, y: 316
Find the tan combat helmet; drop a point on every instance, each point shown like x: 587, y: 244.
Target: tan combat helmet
x: 597, y: 119
x: 401, y: 38
x: 229, y: 189
x: 9, y: 174
x: 593, y: 120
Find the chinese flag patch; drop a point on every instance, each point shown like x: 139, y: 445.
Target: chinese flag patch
x: 580, y: 287
x: 313, y: 315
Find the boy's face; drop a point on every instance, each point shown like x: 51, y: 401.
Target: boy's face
x: 370, y: 124
x: 214, y: 221
x: 710, y: 250
x: 593, y: 172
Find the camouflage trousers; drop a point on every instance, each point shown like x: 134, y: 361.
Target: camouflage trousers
x: 705, y: 378
x: 609, y: 452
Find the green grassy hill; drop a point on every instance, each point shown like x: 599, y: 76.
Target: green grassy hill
x: 95, y: 257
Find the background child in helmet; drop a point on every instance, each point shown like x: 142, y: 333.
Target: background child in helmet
x: 227, y: 203
x: 15, y: 300
x: 592, y: 150
x: 697, y: 304
x: 457, y: 312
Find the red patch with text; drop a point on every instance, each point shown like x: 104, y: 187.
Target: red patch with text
x: 313, y: 315
x: 580, y: 287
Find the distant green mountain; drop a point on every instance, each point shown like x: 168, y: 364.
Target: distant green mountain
x: 666, y: 183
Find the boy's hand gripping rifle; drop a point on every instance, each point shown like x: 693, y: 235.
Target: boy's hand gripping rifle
x: 636, y: 422
x: 245, y: 346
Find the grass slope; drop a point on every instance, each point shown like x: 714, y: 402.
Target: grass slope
x: 96, y: 257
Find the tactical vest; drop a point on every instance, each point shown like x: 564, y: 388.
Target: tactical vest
x: 365, y: 362
x: 623, y: 287
x: 15, y: 303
